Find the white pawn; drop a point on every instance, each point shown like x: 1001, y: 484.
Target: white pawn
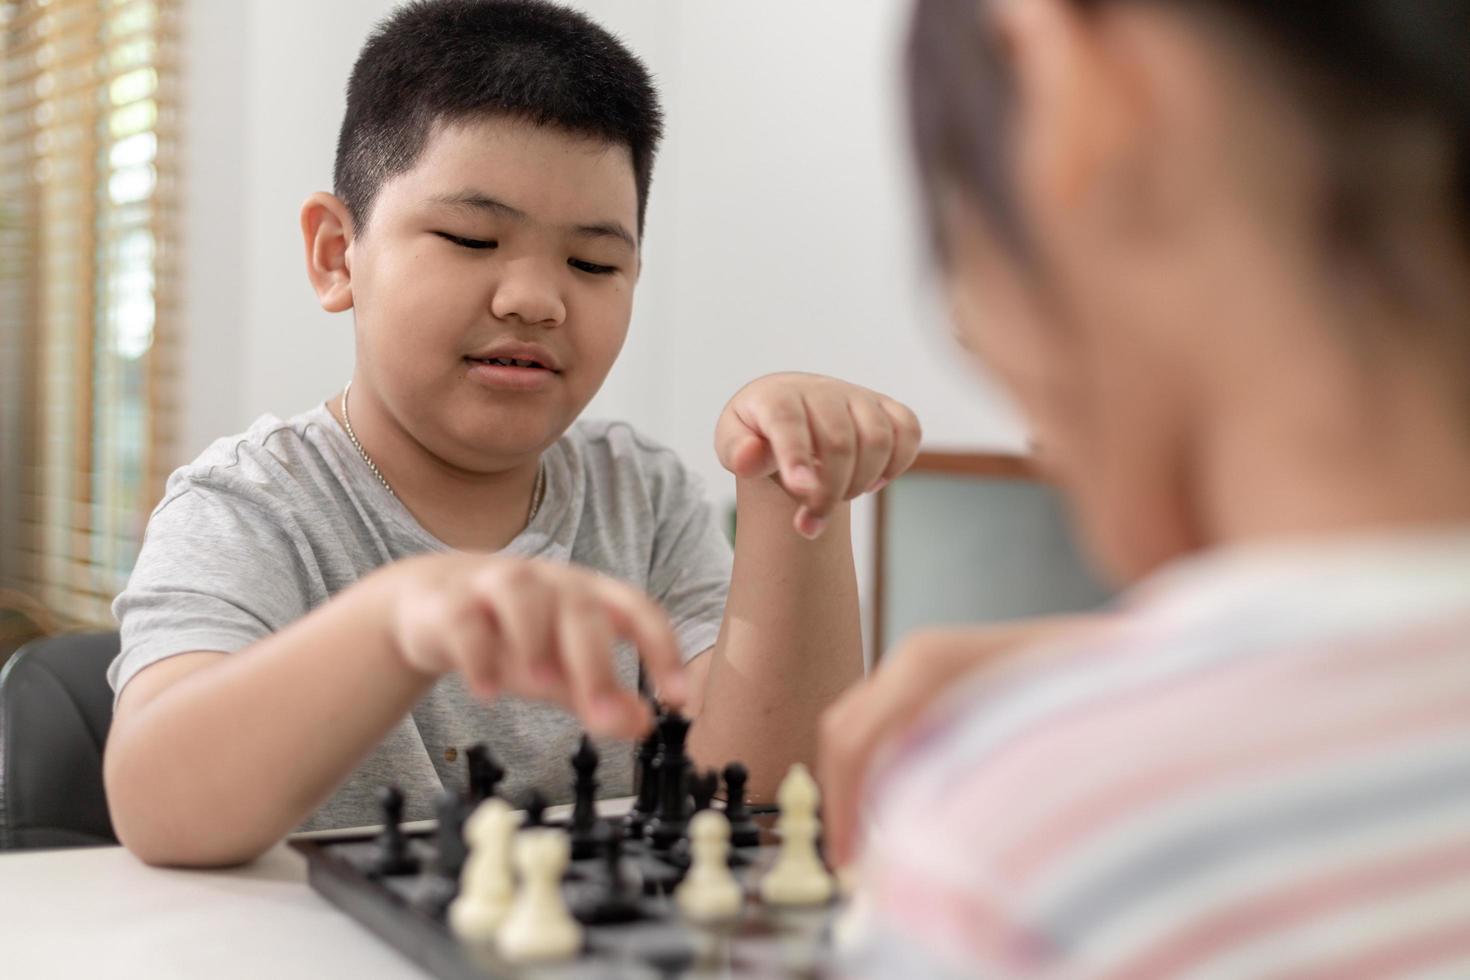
x: 487, y: 885
x: 539, y: 927
x: 855, y: 922
x: 709, y: 893
x: 798, y: 877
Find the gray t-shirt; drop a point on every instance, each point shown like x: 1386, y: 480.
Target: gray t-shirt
x: 266, y: 526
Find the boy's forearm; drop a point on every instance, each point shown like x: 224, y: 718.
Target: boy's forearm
x: 790, y: 644
x: 229, y: 759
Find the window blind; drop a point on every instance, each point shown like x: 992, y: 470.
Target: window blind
x: 88, y: 290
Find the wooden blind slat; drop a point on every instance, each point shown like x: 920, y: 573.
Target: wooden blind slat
x: 87, y: 459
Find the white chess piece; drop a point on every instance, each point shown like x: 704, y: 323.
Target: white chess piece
x: 539, y: 927
x: 798, y: 877
x: 852, y: 925
x: 709, y: 893
x: 487, y: 885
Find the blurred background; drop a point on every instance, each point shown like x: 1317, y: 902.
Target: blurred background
x: 152, y: 292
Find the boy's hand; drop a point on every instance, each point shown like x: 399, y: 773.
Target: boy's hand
x: 824, y: 440
x: 908, y: 680
x: 535, y: 629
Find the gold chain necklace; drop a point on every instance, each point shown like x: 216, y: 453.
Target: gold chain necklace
x: 537, y: 493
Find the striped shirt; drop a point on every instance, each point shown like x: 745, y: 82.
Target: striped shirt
x: 1261, y: 769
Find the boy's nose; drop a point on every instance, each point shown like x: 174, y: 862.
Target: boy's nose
x: 530, y: 297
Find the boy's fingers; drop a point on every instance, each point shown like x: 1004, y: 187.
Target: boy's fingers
x: 638, y: 618
x: 522, y: 601
x: 473, y: 641
x: 752, y: 457
x: 419, y: 635
x: 586, y: 642
x: 835, y: 438
x: 908, y: 436
x: 875, y: 441
x: 741, y: 448
x: 783, y: 423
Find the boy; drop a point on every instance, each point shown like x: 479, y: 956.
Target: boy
x: 424, y: 560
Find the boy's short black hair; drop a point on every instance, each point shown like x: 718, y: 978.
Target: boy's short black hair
x: 438, y: 61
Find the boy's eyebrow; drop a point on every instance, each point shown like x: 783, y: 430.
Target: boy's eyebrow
x: 471, y: 201
x: 607, y: 229
x: 474, y: 201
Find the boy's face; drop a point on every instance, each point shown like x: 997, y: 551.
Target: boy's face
x: 505, y: 241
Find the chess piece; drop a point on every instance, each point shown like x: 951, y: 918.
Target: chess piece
x: 536, y: 809
x: 709, y: 893
x: 539, y: 927
x: 703, y: 788
x: 672, y: 816
x: 798, y: 877
x: 449, y: 837
x: 393, y: 857
x: 488, y: 884
x: 485, y: 774
x: 744, y: 832
x: 854, y: 923
x: 584, y: 810
x: 615, y: 898
x: 439, y: 887
x: 647, y: 798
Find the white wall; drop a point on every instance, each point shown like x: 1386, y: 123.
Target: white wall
x: 781, y: 232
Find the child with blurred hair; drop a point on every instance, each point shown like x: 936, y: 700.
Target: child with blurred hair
x: 1219, y: 252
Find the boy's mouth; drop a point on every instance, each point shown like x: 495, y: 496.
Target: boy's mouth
x: 515, y: 356
x: 508, y: 362
x: 513, y: 367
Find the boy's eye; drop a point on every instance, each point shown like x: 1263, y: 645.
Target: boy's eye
x: 465, y: 242
x: 592, y: 267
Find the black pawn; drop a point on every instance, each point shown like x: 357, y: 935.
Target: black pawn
x: 485, y: 774
x: 535, y: 809
x: 393, y: 857
x: 584, y: 810
x: 744, y: 832
x: 647, y: 799
x: 672, y: 816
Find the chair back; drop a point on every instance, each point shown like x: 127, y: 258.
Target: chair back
x: 55, y: 710
x: 973, y: 538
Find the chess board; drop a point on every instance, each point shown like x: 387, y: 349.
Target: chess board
x: 764, y: 942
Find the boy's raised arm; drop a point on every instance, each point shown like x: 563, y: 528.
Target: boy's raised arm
x: 801, y: 446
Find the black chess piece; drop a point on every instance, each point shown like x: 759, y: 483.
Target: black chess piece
x: 393, y: 857
x: 614, y: 898
x: 647, y: 799
x: 671, y: 819
x: 584, y: 810
x: 535, y: 809
x: 441, y: 884
x: 744, y: 832
x: 485, y: 775
x: 450, y: 854
x: 702, y: 788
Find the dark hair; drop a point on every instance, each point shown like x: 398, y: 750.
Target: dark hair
x: 438, y: 61
x: 1360, y: 64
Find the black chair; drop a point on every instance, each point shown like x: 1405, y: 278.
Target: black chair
x: 55, y: 709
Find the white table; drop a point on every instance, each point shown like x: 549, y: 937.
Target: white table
x: 99, y: 912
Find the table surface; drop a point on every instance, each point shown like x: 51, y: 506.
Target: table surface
x: 85, y: 912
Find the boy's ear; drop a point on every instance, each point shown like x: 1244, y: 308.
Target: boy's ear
x: 326, y: 229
